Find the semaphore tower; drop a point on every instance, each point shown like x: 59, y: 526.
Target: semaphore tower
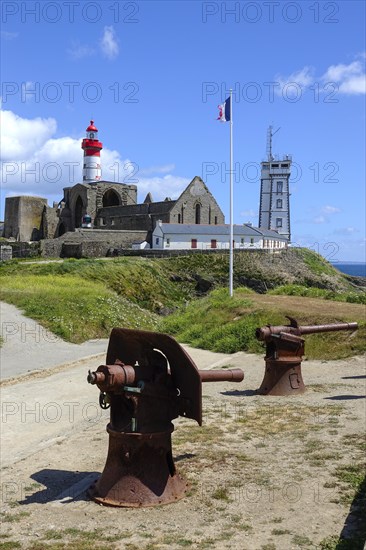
x: 274, y: 207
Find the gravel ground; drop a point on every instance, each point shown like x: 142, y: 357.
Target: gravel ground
x: 262, y: 470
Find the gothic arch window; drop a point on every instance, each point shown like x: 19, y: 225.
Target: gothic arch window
x: 198, y: 213
x: 111, y: 198
x: 78, y: 211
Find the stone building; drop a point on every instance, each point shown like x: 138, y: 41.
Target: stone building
x: 23, y: 218
x: 106, y: 205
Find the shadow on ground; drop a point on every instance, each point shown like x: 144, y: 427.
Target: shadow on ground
x: 57, y: 482
x: 353, y: 535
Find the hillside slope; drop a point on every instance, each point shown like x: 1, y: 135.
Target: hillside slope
x: 83, y: 299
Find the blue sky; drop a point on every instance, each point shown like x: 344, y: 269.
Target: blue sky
x: 151, y: 75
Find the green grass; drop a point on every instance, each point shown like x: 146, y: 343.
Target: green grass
x: 10, y: 545
x: 14, y: 518
x: 311, y: 292
x: 315, y: 261
x: 83, y: 299
x: 217, y: 322
x: 227, y: 324
x: 74, y: 308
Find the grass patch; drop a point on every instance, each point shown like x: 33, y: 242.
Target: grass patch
x: 221, y: 493
x: 73, y: 308
x: 10, y: 545
x: 351, y: 297
x: 280, y: 532
x: 227, y: 324
x: 84, y: 299
x: 267, y: 420
x: 14, y: 518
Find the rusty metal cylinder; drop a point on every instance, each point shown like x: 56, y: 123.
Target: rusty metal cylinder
x: 222, y: 375
x: 327, y: 328
x: 266, y: 332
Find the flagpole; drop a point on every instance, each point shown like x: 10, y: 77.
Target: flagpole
x: 231, y: 261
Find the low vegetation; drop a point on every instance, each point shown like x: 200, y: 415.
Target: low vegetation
x: 186, y: 296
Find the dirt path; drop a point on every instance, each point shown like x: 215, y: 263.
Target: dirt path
x: 262, y: 470
x: 28, y: 346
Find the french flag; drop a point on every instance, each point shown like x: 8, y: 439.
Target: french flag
x: 224, y: 111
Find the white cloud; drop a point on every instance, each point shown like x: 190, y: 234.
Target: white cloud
x: 21, y: 136
x: 330, y: 209
x: 109, y: 43
x: 319, y: 219
x: 37, y: 163
x: 79, y: 51
x: 346, y: 231
x: 351, y: 78
x: 162, y: 187
x: 303, y: 78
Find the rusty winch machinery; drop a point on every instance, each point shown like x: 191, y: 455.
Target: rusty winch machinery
x: 284, y: 352
x: 148, y: 381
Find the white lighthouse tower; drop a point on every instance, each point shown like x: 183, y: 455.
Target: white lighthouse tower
x: 92, y: 172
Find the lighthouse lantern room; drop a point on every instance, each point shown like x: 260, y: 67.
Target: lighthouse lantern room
x: 92, y: 172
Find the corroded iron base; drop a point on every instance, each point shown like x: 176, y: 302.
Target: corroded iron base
x: 282, y: 378
x: 139, y: 471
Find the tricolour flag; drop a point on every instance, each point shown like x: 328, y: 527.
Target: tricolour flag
x: 224, y: 111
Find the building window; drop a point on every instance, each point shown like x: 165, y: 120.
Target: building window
x: 215, y: 220
x: 198, y: 213
x: 157, y: 240
x: 242, y: 240
x: 278, y: 222
x: 209, y: 215
x: 213, y: 243
x: 251, y: 241
x: 280, y: 187
x: 279, y: 203
x: 284, y: 165
x: 194, y: 243
x: 178, y: 218
x: 168, y: 242
x: 182, y: 214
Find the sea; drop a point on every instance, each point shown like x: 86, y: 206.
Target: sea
x: 357, y: 269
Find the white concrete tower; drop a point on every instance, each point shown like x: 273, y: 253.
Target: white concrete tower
x: 92, y: 171
x: 274, y: 207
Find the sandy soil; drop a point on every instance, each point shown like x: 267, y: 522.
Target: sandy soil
x: 261, y: 469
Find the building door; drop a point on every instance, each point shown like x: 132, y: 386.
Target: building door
x: 213, y: 243
x: 194, y: 243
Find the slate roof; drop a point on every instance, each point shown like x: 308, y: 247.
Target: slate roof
x: 204, y: 229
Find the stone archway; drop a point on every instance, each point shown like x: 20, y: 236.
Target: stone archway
x: 111, y: 198
x: 78, y: 211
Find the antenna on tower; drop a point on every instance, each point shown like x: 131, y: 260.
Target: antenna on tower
x: 270, y: 135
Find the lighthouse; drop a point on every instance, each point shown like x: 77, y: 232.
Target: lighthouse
x: 92, y: 172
